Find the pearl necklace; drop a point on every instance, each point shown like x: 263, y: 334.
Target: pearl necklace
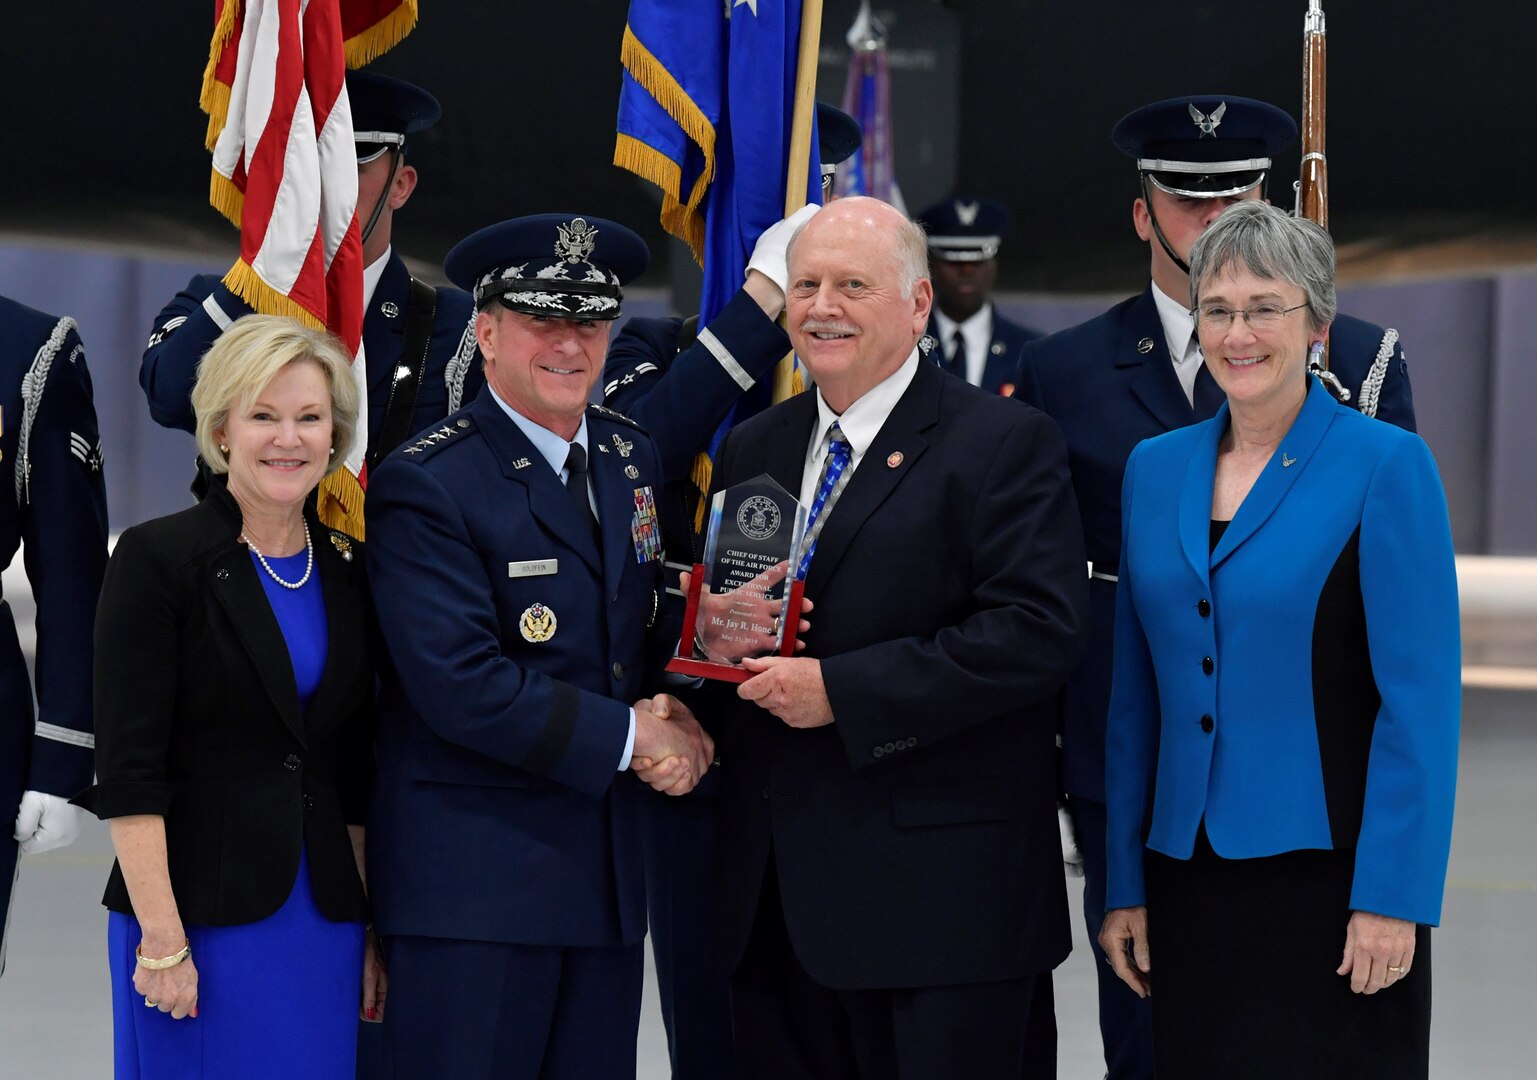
x: 309, y: 563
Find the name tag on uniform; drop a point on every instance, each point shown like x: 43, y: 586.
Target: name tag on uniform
x: 538, y: 568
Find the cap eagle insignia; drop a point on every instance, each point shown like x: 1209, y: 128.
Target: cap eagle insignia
x: 966, y: 213
x: 576, y: 241
x: 1208, y: 124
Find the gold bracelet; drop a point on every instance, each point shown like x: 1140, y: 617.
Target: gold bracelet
x: 184, y: 953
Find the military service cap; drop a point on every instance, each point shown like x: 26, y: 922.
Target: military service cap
x: 385, y: 110
x: 566, y: 266
x: 965, y: 229
x: 1206, y: 146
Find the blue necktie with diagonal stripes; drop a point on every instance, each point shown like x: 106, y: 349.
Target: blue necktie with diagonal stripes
x: 834, y: 468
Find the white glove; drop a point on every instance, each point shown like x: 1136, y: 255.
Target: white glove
x: 1072, y: 858
x: 768, y: 255
x: 45, y: 822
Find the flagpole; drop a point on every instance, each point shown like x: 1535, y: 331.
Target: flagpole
x: 797, y: 174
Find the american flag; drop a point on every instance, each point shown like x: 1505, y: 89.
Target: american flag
x: 285, y: 168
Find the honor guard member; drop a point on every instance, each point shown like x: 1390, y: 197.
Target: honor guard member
x: 1136, y: 372
x: 418, y: 362
x: 516, y: 562
x: 679, y: 383
x: 55, y: 506
x: 975, y: 341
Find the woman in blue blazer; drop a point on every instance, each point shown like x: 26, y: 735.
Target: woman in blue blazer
x: 1282, y: 743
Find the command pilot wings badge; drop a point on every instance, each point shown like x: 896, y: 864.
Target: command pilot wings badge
x: 1208, y: 124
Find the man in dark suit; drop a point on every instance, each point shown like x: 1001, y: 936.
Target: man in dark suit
x: 1136, y: 372
x: 975, y: 341
x: 419, y: 361
x: 890, y: 886
x: 51, y: 455
x: 516, y: 566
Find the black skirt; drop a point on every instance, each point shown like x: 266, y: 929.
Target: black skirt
x: 1244, y: 953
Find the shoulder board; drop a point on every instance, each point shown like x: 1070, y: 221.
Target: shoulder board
x: 427, y: 442
x: 603, y: 410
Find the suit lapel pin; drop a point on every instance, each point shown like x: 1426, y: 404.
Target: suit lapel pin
x: 521, y: 463
x: 1145, y: 346
x: 632, y: 472
x: 537, y: 624
x: 342, y: 544
x: 1287, y: 461
x: 602, y: 449
x: 390, y: 309
x: 997, y: 349
x: 893, y: 459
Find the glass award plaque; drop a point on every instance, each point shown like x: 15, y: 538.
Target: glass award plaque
x: 746, y: 591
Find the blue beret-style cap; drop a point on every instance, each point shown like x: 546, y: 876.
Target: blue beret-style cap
x: 967, y: 228
x: 568, y: 266
x: 1205, y: 146
x: 838, y: 135
x: 385, y: 110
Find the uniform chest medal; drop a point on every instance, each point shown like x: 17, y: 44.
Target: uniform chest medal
x: 537, y: 624
x: 645, y: 529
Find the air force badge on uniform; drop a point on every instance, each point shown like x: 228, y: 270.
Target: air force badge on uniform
x: 645, y: 528
x: 537, y: 624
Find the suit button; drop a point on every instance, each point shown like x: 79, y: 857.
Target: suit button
x: 308, y: 802
x: 1207, y: 723
x: 1207, y: 665
x: 292, y: 762
x: 1204, y: 608
x: 879, y: 751
x: 765, y: 793
x: 890, y: 748
x: 618, y: 670
x: 912, y: 741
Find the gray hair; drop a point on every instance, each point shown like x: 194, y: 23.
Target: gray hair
x: 910, y: 247
x: 1271, y: 244
x: 247, y: 356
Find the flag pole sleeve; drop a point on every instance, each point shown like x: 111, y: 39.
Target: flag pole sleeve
x: 797, y: 174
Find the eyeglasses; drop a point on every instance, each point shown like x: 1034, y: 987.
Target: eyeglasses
x: 827, y: 183
x: 1258, y: 317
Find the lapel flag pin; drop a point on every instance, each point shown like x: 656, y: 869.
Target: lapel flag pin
x: 894, y: 459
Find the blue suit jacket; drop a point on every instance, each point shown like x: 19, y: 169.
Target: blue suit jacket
x: 1328, y: 609
x: 52, y: 499
x: 1109, y: 384
x: 499, y: 813
x: 1003, y: 354
x: 185, y: 329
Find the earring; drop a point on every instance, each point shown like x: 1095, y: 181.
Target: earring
x: 223, y: 449
x: 333, y: 451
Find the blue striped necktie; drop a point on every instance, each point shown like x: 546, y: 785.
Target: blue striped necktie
x: 834, y: 469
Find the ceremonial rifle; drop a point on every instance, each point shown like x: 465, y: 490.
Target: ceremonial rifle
x: 1312, y: 186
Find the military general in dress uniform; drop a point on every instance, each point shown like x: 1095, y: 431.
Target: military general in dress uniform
x: 1135, y: 372
x: 418, y: 362
x: 975, y: 341
x: 55, y: 504
x: 515, y: 558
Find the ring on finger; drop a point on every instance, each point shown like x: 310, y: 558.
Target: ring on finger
x: 148, y: 1004
x: 1400, y: 970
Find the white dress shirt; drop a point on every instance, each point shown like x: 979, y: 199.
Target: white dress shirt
x: 976, y: 332
x: 1179, y: 333
x: 554, y: 449
x: 860, y: 423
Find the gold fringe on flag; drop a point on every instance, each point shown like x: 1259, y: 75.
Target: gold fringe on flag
x: 382, y: 36
x: 228, y: 199
x: 651, y: 164
x: 214, y: 98
x: 339, y: 503
x: 246, y: 283
x: 681, y: 217
x: 703, y: 470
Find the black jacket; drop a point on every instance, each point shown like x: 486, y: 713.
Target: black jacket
x: 198, y: 718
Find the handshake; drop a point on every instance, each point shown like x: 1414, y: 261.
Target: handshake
x: 672, y: 752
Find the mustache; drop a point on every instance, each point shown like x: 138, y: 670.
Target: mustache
x: 825, y: 326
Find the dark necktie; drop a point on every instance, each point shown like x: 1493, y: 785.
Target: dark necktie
x: 1208, y: 395
x: 834, y: 470
x: 956, y: 365
x: 576, y: 486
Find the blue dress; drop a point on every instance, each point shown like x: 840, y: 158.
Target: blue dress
x: 277, y: 997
